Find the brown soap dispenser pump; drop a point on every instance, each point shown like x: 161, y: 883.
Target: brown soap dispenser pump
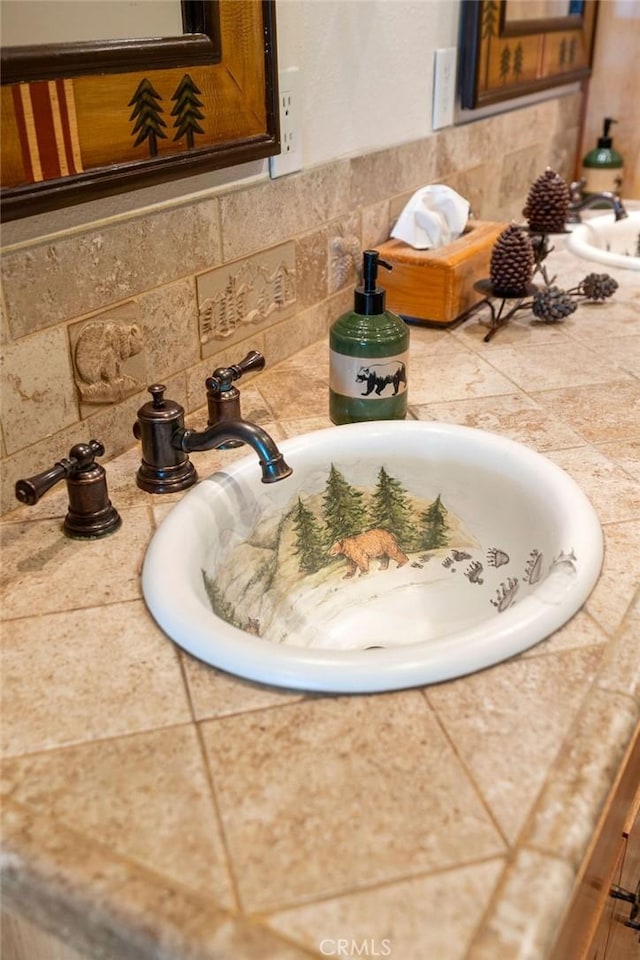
x: 369, y: 355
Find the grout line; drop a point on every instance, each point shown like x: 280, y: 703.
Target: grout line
x: 467, y: 772
x: 112, y: 738
x: 209, y: 775
x: 378, y: 885
x: 190, y: 893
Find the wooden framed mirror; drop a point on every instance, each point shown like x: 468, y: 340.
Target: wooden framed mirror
x: 510, y: 48
x: 87, y: 119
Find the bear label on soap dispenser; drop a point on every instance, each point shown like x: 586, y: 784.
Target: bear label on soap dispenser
x: 369, y: 377
x: 369, y: 356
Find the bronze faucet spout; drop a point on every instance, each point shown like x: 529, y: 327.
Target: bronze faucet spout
x: 611, y: 199
x: 272, y: 463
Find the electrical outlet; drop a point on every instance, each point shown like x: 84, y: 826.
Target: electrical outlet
x: 290, y: 157
x: 444, y: 87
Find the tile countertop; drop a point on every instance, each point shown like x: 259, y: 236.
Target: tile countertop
x: 157, y: 808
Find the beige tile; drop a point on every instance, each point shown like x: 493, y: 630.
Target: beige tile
x: 108, y: 354
x: 419, y: 918
x: 620, y: 669
x: 397, y: 205
x: 513, y: 415
x: 376, y: 224
x: 478, y: 185
x: 38, y: 392
x: 600, y: 412
x: 127, y: 678
x: 520, y: 331
x: 344, y: 252
x: 567, y: 811
x: 626, y: 453
x: 311, y: 268
x: 242, y: 298
x: 107, y: 265
x: 281, y: 209
x: 217, y: 694
x: 430, y: 342
x: 580, y: 631
x: 462, y: 147
x: 565, y: 147
x: 285, y: 396
x: 595, y: 321
x: 46, y: 572
x: 296, y: 784
x: 547, y: 366
x: 620, y: 352
x: 620, y: 577
x: 115, y: 909
x: 519, y: 169
x: 5, y: 336
x: 169, y: 320
x: 313, y: 357
x: 286, y: 338
x: 614, y: 495
x: 294, y: 428
x: 524, y: 916
x: 528, y: 702
x: 131, y: 795
x: 456, y: 376
x: 404, y: 168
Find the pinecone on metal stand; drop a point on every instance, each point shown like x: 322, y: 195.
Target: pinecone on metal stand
x: 511, y: 263
x: 598, y: 286
x: 547, y: 205
x: 552, y: 304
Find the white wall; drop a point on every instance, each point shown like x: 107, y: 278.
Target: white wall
x: 367, y: 69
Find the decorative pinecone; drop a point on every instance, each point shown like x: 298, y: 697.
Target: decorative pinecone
x: 548, y: 203
x: 552, y: 304
x: 511, y: 263
x: 598, y: 286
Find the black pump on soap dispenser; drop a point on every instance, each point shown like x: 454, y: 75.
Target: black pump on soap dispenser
x: 369, y: 355
x: 603, y: 167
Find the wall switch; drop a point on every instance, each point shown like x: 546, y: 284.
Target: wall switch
x: 290, y: 157
x: 444, y: 87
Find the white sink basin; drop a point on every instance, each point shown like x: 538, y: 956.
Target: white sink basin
x: 491, y: 549
x: 607, y: 241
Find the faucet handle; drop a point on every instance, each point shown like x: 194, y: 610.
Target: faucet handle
x: 91, y: 513
x: 223, y: 399
x: 222, y: 378
x: 81, y: 457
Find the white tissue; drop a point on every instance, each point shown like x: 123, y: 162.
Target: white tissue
x: 433, y: 217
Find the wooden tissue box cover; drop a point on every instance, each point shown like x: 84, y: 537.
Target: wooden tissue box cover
x: 436, y: 286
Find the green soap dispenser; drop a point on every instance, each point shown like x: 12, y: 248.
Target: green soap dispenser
x: 603, y: 167
x: 369, y: 355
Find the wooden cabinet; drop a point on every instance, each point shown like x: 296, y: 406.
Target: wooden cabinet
x: 595, y: 928
x: 22, y: 940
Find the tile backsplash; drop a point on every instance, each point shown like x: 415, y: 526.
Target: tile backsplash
x: 93, y: 315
